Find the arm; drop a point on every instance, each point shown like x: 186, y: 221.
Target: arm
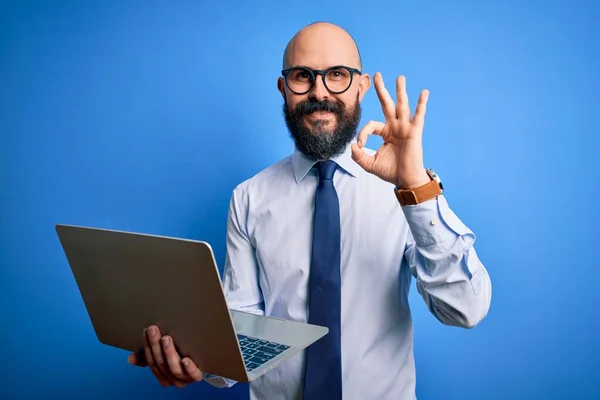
x: 450, y: 277
x: 240, y: 273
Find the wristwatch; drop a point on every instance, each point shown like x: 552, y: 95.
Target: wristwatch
x: 411, y: 197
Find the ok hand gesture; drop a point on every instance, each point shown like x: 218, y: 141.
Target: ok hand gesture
x: 399, y: 160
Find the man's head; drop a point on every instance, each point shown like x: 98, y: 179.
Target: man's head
x: 322, y: 112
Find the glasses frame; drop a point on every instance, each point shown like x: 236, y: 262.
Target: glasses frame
x: 323, y: 72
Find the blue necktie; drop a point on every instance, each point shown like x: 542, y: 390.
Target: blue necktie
x: 323, y: 379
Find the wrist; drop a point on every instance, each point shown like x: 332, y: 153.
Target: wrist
x: 413, y: 181
x: 419, y: 194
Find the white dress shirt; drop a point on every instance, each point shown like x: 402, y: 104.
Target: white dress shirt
x: 383, y: 246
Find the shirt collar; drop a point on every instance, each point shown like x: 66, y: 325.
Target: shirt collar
x: 303, y: 165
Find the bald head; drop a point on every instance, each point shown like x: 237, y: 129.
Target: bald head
x: 322, y: 45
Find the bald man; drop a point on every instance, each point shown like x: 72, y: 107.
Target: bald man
x: 334, y: 233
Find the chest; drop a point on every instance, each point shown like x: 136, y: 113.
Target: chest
x: 373, y: 235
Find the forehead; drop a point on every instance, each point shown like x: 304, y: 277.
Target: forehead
x: 320, y: 50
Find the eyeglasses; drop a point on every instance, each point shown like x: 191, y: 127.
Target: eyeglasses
x: 337, y: 79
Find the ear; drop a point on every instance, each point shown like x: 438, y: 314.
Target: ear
x: 281, y: 86
x: 363, y: 85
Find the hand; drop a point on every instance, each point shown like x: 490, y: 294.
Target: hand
x: 400, y: 159
x: 164, y: 361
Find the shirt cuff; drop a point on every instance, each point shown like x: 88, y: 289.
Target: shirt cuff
x: 433, y: 222
x: 218, y: 381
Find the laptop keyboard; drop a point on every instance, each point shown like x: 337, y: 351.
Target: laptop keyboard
x: 256, y: 352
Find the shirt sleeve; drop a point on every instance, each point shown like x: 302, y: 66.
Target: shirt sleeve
x: 240, y: 273
x: 450, y: 277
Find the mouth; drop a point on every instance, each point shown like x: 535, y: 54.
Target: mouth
x: 320, y: 115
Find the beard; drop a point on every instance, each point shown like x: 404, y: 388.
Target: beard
x: 321, y: 143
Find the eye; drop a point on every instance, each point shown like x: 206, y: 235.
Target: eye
x: 338, y: 74
x: 300, y: 75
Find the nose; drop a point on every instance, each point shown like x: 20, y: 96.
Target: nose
x: 319, y: 91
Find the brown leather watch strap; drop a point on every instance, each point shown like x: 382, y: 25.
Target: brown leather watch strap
x: 411, y: 197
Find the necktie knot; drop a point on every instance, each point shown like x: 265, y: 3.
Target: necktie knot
x: 326, y: 170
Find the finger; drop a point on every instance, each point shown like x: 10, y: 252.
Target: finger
x: 371, y: 127
x: 192, y: 369
x: 138, y: 359
x: 362, y: 158
x: 173, y: 359
x: 152, y: 362
x: 155, y: 346
x: 387, y: 103
x: 421, y: 110
x: 403, y: 108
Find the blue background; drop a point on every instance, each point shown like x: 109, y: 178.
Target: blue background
x: 144, y: 116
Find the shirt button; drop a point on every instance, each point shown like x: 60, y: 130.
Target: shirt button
x: 433, y: 222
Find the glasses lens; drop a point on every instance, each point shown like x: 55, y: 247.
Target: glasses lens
x: 338, y: 80
x: 299, y: 80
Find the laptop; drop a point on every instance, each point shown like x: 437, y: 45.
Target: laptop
x: 129, y: 281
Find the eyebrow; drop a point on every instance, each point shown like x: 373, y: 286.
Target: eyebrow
x: 317, y: 69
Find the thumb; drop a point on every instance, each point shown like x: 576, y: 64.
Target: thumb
x: 134, y: 359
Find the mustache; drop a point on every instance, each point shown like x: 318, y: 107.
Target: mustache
x: 310, y: 106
